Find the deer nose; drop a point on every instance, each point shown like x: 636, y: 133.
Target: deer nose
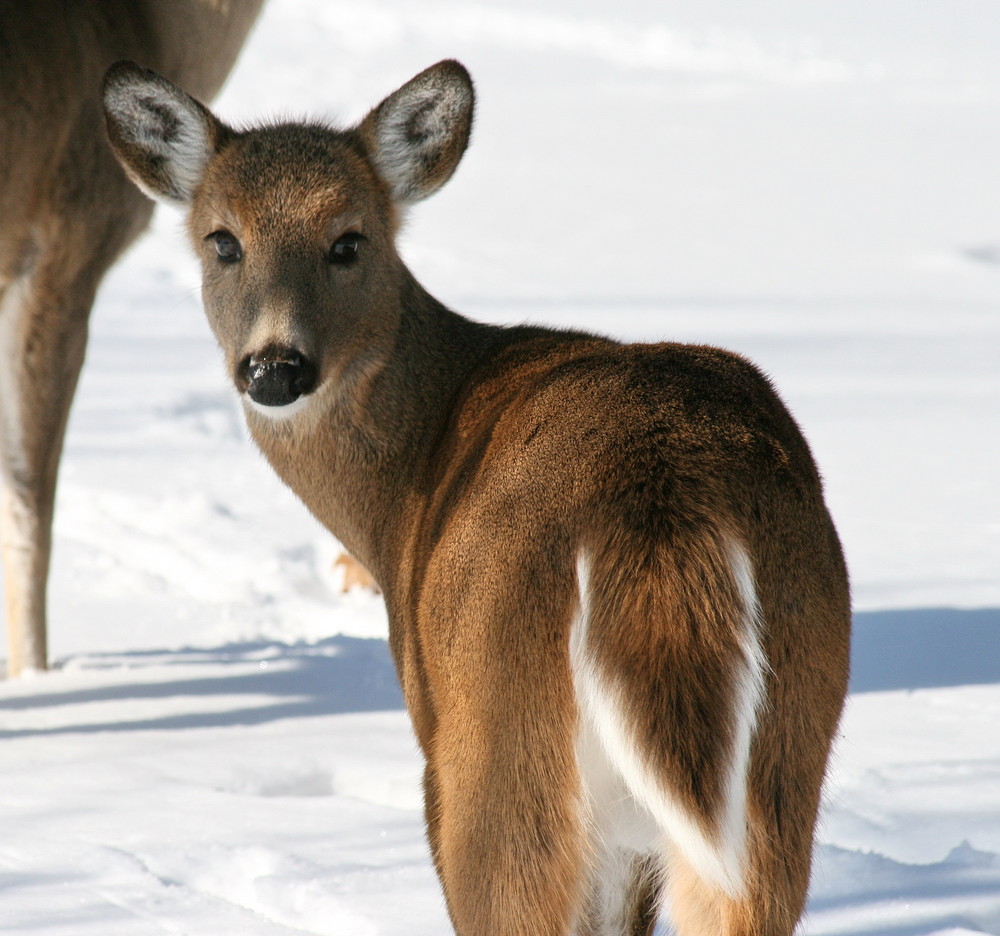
x: 276, y: 378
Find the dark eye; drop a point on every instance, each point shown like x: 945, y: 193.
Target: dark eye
x: 227, y: 247
x: 345, y: 248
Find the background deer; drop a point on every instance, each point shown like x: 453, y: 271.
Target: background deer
x: 66, y: 213
x: 617, y: 603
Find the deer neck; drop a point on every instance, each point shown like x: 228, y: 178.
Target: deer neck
x: 359, y: 460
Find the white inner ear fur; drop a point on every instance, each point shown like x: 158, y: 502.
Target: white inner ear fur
x: 412, y: 130
x: 165, y: 124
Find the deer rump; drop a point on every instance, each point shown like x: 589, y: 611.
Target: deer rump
x: 620, y: 602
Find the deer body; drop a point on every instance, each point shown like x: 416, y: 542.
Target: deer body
x: 67, y: 212
x: 617, y: 603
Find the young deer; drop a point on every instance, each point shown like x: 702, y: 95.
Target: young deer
x: 617, y: 603
x: 66, y: 213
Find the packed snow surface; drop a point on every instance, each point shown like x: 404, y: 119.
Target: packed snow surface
x: 221, y: 748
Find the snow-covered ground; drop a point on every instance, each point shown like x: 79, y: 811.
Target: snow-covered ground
x: 221, y: 748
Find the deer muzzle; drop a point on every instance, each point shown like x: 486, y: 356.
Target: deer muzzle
x: 276, y: 377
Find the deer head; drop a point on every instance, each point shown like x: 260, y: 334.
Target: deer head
x: 294, y: 223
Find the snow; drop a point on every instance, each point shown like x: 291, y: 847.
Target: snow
x: 222, y: 749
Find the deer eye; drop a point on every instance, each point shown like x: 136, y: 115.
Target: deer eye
x: 227, y: 247
x: 345, y: 248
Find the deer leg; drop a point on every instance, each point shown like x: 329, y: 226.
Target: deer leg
x: 43, y: 335
x: 354, y: 574
x: 771, y: 900
x: 698, y: 908
x: 645, y: 888
x: 625, y: 895
x: 508, y: 823
x: 510, y: 849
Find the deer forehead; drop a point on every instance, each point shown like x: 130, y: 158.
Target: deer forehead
x: 292, y: 177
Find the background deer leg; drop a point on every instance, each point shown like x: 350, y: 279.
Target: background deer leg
x: 43, y: 332
x: 353, y: 574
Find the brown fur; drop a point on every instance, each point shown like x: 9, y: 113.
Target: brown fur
x: 469, y: 467
x: 67, y: 213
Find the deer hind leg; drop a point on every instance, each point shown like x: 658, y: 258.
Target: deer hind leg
x: 625, y: 900
x: 645, y: 890
x: 502, y: 789
x: 769, y: 907
x: 625, y: 893
x: 507, y: 834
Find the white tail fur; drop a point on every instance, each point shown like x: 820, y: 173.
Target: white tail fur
x: 717, y: 852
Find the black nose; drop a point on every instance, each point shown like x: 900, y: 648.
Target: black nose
x: 277, y: 378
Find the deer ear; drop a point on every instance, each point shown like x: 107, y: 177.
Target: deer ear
x: 418, y: 134
x: 162, y: 137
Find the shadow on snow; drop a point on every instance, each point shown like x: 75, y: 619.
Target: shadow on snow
x: 901, y: 649
x: 925, y: 648
x: 334, y: 676
x: 957, y: 894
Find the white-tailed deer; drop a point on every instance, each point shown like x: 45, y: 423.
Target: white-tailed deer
x: 66, y: 213
x: 617, y: 603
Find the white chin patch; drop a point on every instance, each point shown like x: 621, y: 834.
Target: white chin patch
x: 277, y: 413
